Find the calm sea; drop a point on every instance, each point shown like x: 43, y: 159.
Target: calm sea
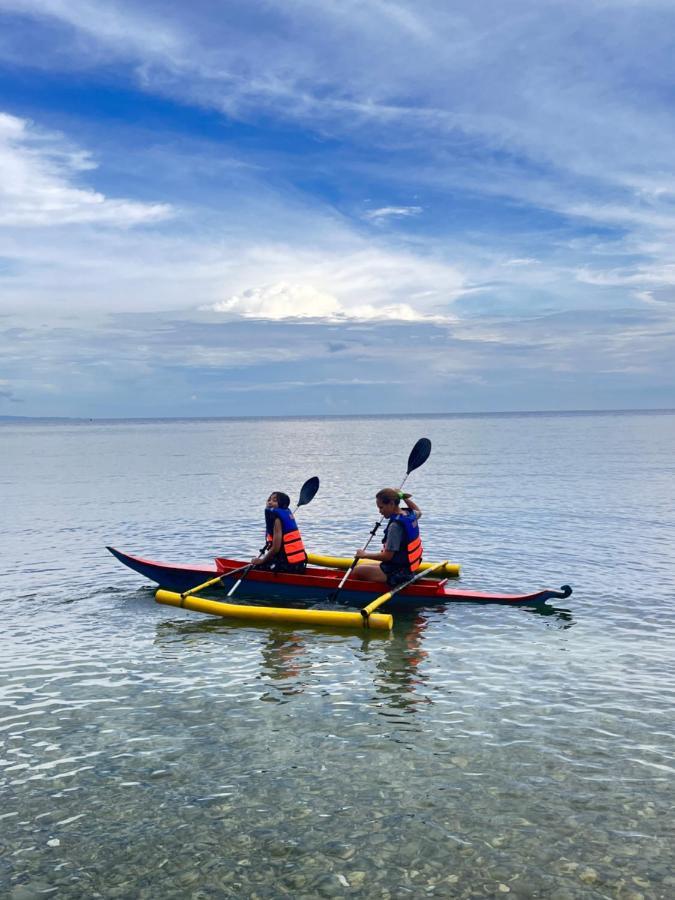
x: 146, y: 752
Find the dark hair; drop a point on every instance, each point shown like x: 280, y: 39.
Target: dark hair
x: 388, y: 495
x: 283, y: 500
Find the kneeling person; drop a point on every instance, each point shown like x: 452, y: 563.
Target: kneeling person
x: 401, y: 552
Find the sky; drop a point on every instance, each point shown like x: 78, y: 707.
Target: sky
x: 317, y: 207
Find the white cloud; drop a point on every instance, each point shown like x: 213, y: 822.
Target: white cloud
x: 252, y: 387
x: 392, y: 212
x: 304, y: 301
x: 436, y: 70
x: 424, y: 78
x: 341, y: 277
x: 281, y: 301
x: 230, y: 263
x: 111, y: 23
x: 663, y: 276
x: 6, y: 390
x: 37, y: 171
x: 525, y: 133
x: 517, y: 359
x: 647, y: 297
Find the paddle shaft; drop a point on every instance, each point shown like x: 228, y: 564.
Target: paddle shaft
x: 244, y: 573
x: 200, y: 587
x: 250, y: 566
x: 383, y: 598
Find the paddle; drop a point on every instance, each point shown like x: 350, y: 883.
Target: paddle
x: 418, y: 456
x: 200, y: 587
x: 307, y: 494
x: 378, y: 601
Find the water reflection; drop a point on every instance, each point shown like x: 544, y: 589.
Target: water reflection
x: 286, y: 654
x: 284, y: 659
x: 562, y: 618
x: 172, y: 630
x: 400, y: 678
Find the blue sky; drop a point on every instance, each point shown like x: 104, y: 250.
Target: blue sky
x: 273, y: 208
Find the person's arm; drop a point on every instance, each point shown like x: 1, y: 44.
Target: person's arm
x: 277, y: 540
x: 410, y: 503
x: 382, y: 556
x: 393, y: 544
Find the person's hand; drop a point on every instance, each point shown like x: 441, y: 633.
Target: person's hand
x: 255, y: 561
x: 360, y: 554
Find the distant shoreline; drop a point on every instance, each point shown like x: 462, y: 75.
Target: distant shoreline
x: 104, y: 420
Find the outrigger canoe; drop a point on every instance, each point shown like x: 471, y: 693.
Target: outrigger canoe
x: 317, y: 583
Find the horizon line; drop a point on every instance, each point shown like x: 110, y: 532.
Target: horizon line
x: 415, y: 415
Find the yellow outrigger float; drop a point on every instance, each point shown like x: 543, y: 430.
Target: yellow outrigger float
x: 366, y: 618
x: 272, y: 614
x: 431, y: 569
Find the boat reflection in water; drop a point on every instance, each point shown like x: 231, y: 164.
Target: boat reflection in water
x: 400, y: 676
x: 395, y: 661
x: 285, y: 659
x: 562, y: 618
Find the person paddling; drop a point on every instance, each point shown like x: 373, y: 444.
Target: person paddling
x: 401, y: 552
x: 284, y: 550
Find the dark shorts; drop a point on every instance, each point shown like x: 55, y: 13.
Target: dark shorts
x: 395, y: 576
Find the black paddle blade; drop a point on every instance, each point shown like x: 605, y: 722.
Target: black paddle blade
x: 419, y: 454
x: 308, y: 491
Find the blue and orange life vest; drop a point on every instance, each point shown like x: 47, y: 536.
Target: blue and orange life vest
x: 409, y: 555
x: 292, y: 548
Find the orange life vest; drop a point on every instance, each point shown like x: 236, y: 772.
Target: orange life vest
x: 409, y: 556
x: 292, y: 547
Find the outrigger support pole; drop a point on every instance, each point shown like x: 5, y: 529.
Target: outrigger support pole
x: 367, y: 611
x: 219, y: 579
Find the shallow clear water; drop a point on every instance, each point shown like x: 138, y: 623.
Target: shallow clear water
x: 479, y: 751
